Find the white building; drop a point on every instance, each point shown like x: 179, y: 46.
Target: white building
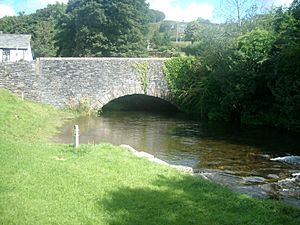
x: 15, y: 47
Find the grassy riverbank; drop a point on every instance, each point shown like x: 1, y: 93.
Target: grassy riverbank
x: 43, y: 183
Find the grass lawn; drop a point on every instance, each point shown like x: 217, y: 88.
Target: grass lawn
x: 44, y: 183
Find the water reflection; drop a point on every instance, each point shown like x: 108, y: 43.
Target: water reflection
x: 246, y: 152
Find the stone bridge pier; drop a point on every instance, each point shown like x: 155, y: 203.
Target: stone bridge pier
x: 97, y: 81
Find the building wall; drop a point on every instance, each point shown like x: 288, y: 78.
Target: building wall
x: 28, y: 55
x: 18, y: 55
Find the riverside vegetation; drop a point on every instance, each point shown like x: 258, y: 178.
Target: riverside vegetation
x: 246, y: 74
x: 44, y: 183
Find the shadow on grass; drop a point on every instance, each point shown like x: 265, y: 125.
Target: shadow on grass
x: 189, y: 200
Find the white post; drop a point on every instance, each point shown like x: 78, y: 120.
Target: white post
x: 76, y: 135
x: 22, y: 96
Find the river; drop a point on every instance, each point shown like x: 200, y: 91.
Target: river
x: 250, y: 159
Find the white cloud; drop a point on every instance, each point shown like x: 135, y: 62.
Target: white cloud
x: 6, y: 10
x: 283, y: 2
x: 280, y: 2
x: 175, y: 12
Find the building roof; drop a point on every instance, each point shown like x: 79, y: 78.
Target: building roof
x: 16, y: 41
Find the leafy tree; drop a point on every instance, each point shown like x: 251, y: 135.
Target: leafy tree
x: 160, y: 39
x: 81, y: 29
x: 295, y: 9
x: 156, y: 16
x: 191, y: 31
x: 241, y: 82
x: 167, y: 26
x: 126, y: 27
x: 42, y: 25
x: 237, y: 10
x: 104, y: 28
x: 283, y: 69
x: 46, y: 29
x: 44, y: 42
x: 51, y: 12
x: 21, y: 24
x: 248, y: 74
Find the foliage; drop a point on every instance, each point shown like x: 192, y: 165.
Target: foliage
x: 104, y: 28
x: 87, y: 28
x: 156, y: 16
x: 42, y: 25
x: 187, y: 79
x: 160, y: 39
x: 143, y: 72
x: 80, y: 107
x: 247, y: 75
x: 43, y: 183
x: 44, y: 42
x: 199, y: 30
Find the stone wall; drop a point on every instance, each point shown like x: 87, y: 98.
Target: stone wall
x: 59, y: 81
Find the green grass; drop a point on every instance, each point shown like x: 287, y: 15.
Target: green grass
x: 43, y: 183
x: 27, y: 121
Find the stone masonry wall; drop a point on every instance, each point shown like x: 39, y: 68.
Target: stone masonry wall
x: 59, y: 81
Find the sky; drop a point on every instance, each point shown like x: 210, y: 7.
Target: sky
x: 179, y: 10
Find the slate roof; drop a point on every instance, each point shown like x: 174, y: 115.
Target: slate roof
x: 20, y: 41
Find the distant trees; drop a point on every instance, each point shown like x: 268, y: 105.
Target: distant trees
x: 42, y: 25
x: 156, y: 16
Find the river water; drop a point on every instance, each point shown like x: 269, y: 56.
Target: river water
x: 246, y: 157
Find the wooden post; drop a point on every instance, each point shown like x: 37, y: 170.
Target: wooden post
x: 76, y: 136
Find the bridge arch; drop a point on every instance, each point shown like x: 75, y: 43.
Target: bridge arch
x: 120, y: 92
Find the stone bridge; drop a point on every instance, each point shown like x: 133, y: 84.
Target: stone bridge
x: 65, y: 81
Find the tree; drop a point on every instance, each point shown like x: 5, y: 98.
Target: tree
x: 104, y: 28
x: 156, y: 16
x: 295, y: 9
x: 42, y: 25
x: 243, y: 79
x: 167, y: 26
x: 160, y: 39
x: 51, y: 12
x: 126, y: 27
x: 81, y: 31
x: 44, y: 44
x: 191, y: 31
x: 22, y: 24
x: 238, y: 10
x: 283, y: 69
x: 46, y: 29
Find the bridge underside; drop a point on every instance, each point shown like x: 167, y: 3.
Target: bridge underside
x: 139, y: 102
x: 130, y: 94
